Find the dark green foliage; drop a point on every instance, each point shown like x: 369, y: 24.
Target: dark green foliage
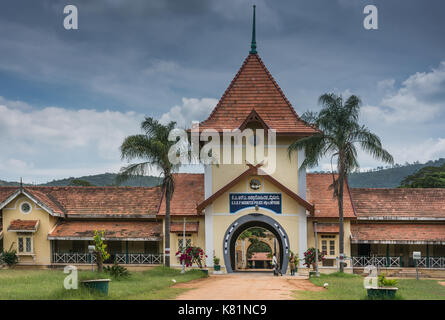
x: 258, y: 246
x: 117, y: 271
x: 80, y: 183
x: 389, y: 177
x: 384, y: 282
x: 9, y: 257
x: 101, y: 180
x: 109, y: 179
x: 427, y: 177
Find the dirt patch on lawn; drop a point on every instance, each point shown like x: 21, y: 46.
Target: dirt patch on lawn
x: 245, y: 286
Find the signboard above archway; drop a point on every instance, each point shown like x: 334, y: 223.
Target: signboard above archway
x: 269, y: 201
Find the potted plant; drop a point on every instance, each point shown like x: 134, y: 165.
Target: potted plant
x: 216, y: 265
x: 193, y: 255
x: 98, y: 284
x: 385, y: 288
x: 309, y: 259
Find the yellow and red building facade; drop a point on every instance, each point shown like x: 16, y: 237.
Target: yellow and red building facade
x: 51, y: 226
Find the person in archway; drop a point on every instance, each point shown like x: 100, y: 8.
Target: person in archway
x: 276, y: 267
x: 292, y: 264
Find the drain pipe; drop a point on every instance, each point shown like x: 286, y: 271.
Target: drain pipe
x: 317, y: 273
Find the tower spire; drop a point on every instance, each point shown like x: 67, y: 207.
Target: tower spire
x: 253, y: 43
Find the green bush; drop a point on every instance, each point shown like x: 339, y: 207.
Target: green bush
x: 117, y: 271
x: 383, y: 282
x: 9, y: 257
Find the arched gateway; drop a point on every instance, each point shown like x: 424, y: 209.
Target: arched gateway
x: 254, y: 220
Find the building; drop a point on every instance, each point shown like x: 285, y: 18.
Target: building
x: 51, y: 226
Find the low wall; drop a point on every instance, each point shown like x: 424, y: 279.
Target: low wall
x: 390, y: 272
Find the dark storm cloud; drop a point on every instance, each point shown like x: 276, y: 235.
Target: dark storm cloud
x: 162, y: 57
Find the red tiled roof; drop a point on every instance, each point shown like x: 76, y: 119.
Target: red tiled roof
x: 408, y: 232
x: 260, y: 256
x: 46, y: 200
x: 6, y: 192
x: 189, y: 192
x: 254, y: 89
x: 23, y: 225
x: 95, y: 201
x: 113, y: 230
x: 328, y: 228
x: 400, y: 202
x: 320, y: 194
x: 189, y: 227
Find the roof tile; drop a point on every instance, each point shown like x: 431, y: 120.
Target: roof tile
x: 254, y: 88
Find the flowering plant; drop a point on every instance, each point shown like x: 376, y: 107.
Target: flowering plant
x: 309, y: 257
x: 192, y: 255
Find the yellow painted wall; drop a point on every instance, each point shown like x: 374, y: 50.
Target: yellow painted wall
x: 347, y: 235
x: 41, y: 244
x: 289, y: 219
x: 198, y: 239
x: 286, y: 171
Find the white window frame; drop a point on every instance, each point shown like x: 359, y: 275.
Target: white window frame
x: 24, y: 244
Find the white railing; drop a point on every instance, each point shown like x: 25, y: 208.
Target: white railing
x: 376, y: 261
x: 120, y: 258
x: 394, y: 262
x: 431, y: 262
x: 74, y: 258
x: 139, y: 258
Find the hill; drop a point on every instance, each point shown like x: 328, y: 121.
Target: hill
x: 105, y: 179
x: 389, y: 177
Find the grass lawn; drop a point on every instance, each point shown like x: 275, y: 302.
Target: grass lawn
x: 350, y: 287
x: 48, y: 284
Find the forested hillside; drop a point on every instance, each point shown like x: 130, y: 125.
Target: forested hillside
x: 377, y: 178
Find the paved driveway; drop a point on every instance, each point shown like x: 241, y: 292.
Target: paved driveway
x: 245, y: 286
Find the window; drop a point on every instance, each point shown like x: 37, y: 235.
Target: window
x: 328, y: 244
x: 188, y: 241
x: 25, y: 207
x: 324, y: 247
x: 24, y: 245
x: 332, y: 247
x: 20, y: 245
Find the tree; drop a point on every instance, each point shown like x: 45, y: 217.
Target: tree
x: 427, y: 177
x: 153, y: 146
x: 339, y: 135
x: 100, y: 249
x: 80, y: 183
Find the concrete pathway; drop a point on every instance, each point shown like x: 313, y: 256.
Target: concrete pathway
x: 245, y: 286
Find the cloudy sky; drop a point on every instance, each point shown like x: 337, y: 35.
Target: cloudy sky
x: 69, y: 97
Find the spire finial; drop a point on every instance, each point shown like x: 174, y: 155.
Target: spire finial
x: 21, y: 184
x: 253, y: 44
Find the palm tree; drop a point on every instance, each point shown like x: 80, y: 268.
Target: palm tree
x: 153, y: 147
x: 339, y: 134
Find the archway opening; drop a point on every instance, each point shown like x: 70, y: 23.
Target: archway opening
x: 257, y: 222
x: 254, y: 249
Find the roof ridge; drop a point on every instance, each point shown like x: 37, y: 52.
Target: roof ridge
x: 283, y: 95
x: 218, y: 105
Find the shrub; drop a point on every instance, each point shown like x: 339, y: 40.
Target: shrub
x: 9, y: 257
x: 383, y: 282
x: 309, y: 257
x: 216, y: 261
x: 192, y: 255
x: 117, y: 271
